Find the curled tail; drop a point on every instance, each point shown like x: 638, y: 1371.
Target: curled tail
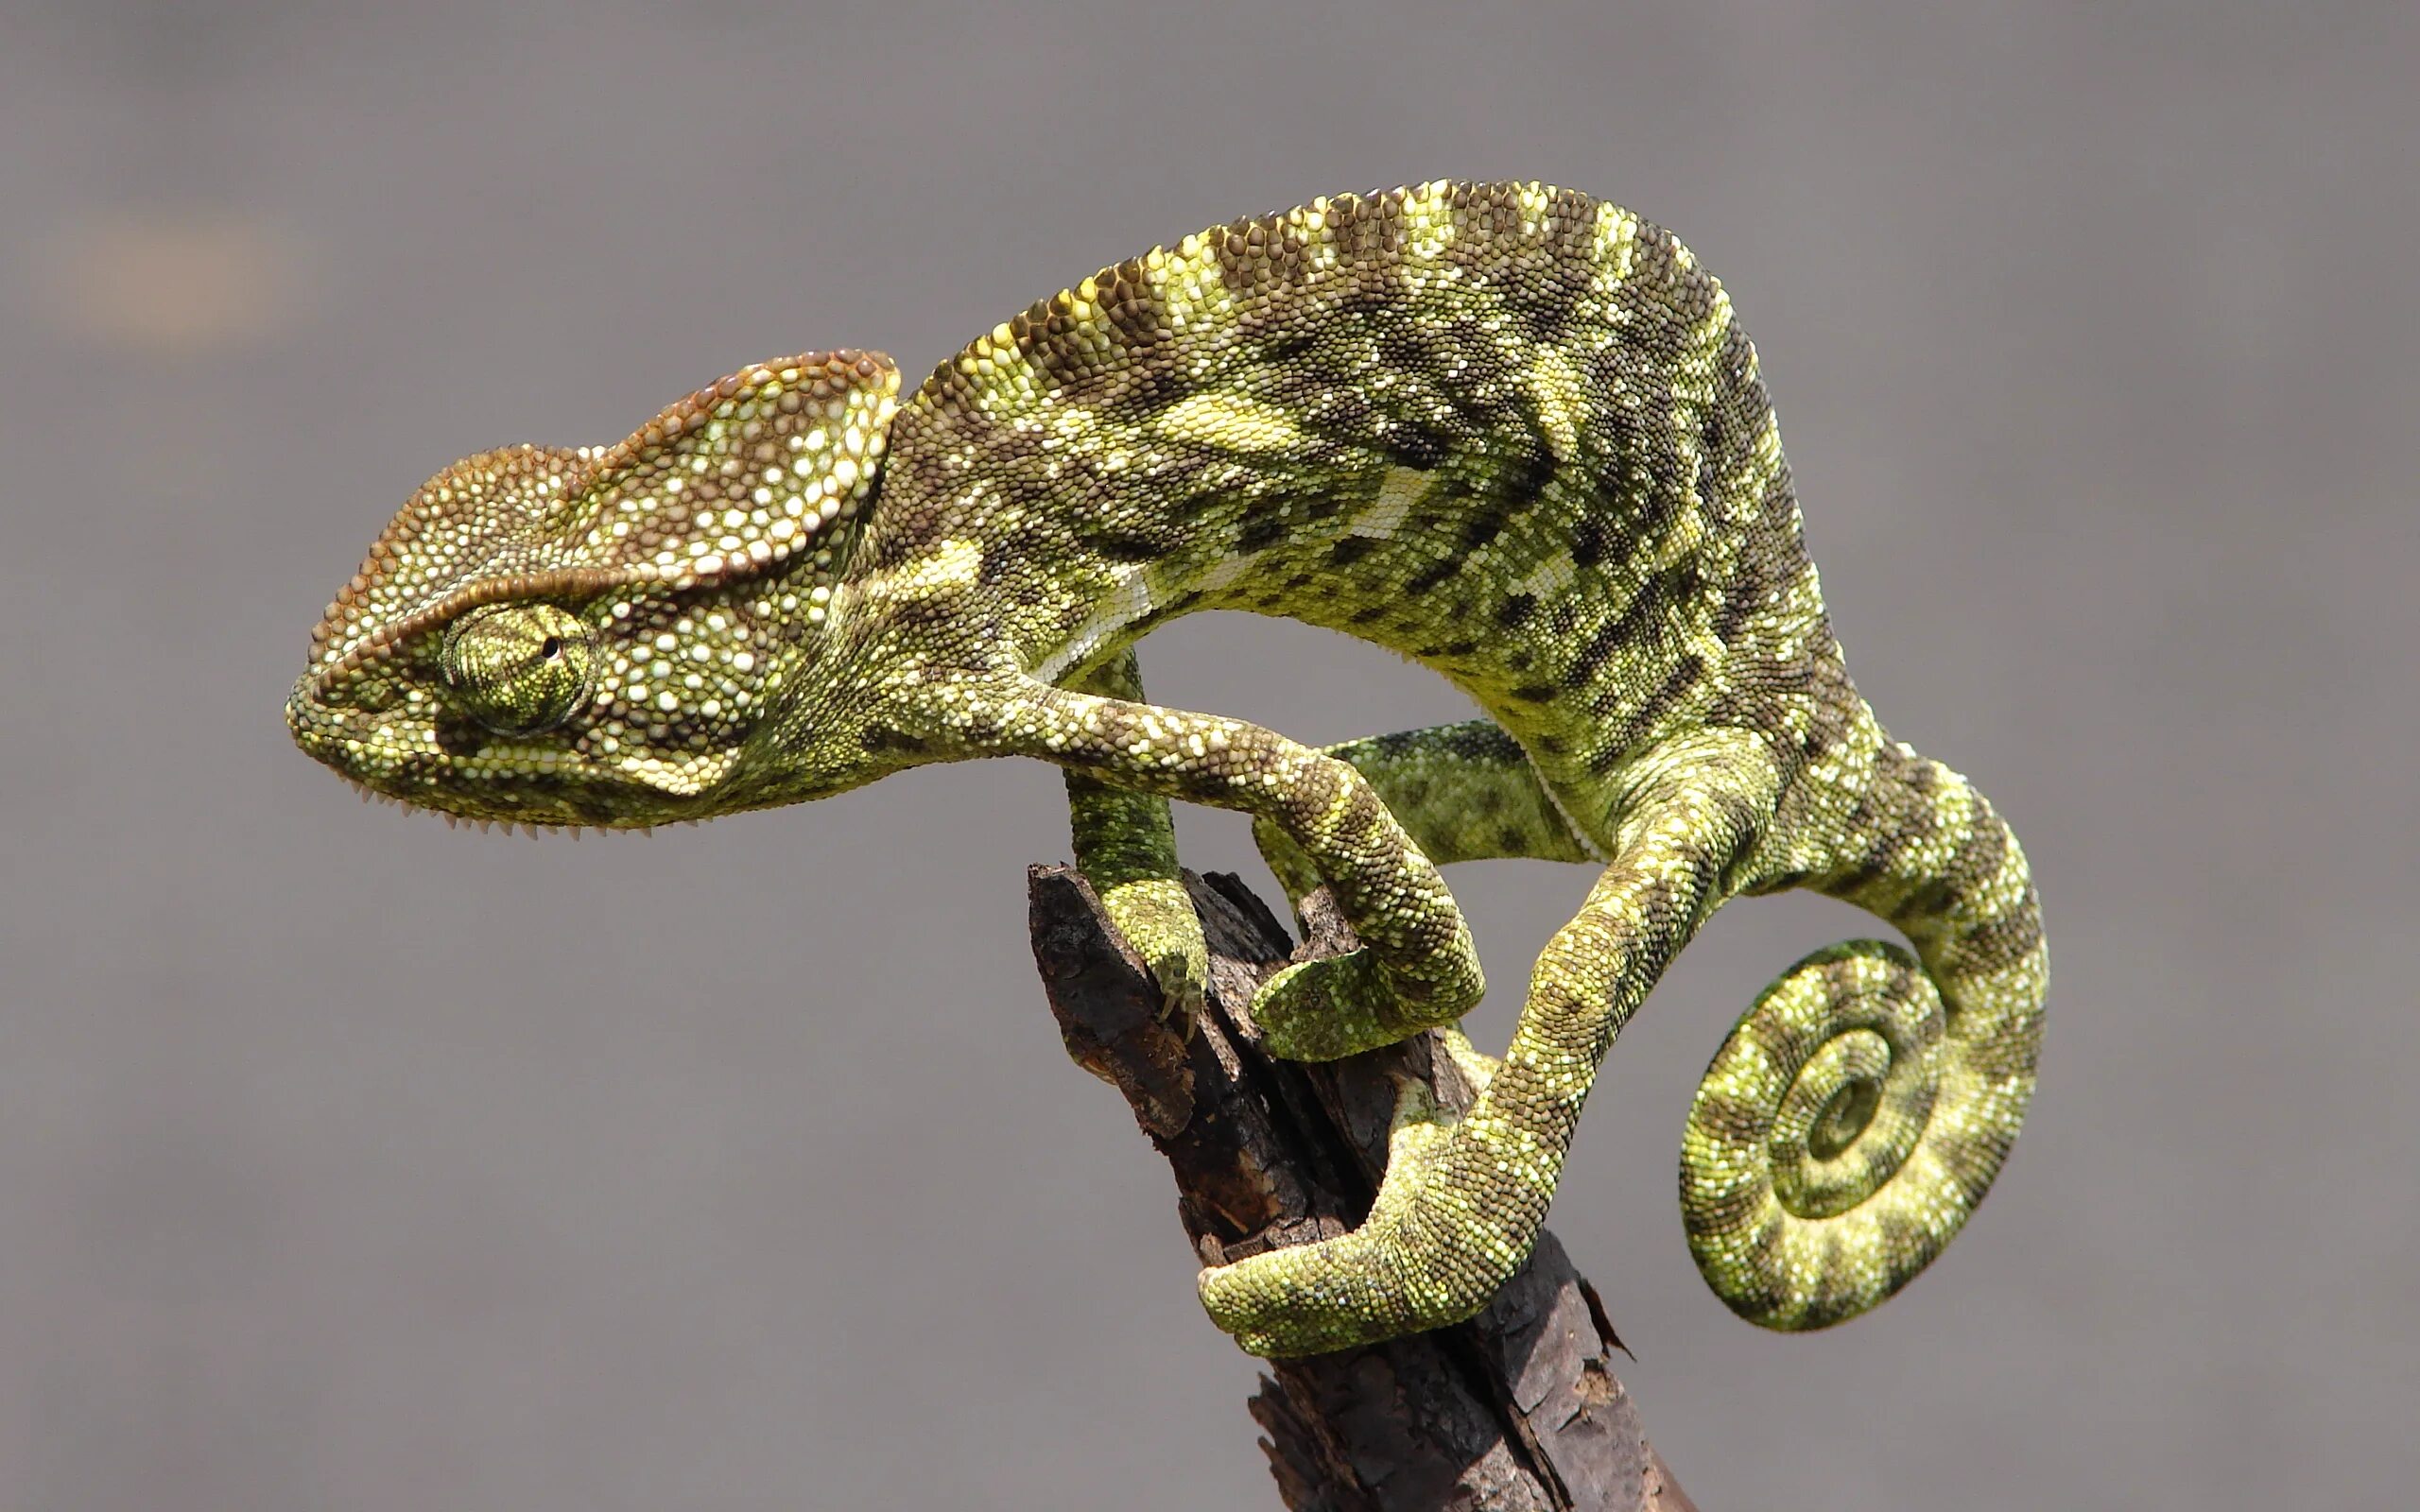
x: 1860, y: 1109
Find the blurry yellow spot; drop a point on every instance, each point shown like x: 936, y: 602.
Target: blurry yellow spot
x: 1231, y: 421
x: 181, y: 281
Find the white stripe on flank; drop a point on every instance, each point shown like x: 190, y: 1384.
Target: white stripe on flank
x: 1128, y: 602
x: 1397, y: 492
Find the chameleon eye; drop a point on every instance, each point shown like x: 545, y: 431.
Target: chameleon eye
x: 517, y: 668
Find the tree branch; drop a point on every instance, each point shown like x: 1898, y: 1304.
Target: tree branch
x: 1518, y: 1408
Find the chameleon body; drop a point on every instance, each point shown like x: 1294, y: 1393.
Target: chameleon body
x: 1507, y: 430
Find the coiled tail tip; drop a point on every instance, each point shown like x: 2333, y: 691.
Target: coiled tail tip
x: 1838, y: 1140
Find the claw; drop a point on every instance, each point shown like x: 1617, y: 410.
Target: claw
x: 1183, y: 1002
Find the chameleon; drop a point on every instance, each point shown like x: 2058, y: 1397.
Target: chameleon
x: 1509, y: 430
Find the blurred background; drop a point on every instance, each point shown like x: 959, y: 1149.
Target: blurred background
x: 350, y: 1161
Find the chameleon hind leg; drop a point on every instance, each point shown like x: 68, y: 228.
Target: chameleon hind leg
x: 1862, y: 1107
x: 1464, y: 792
x: 1125, y: 844
x: 1461, y: 1204
x: 1416, y: 967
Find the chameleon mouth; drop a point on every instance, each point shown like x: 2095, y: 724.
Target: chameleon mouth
x: 413, y: 776
x: 532, y: 828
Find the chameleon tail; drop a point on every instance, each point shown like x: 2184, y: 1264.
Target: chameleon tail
x: 1860, y: 1109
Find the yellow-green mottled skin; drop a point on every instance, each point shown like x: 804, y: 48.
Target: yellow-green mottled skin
x: 1507, y: 430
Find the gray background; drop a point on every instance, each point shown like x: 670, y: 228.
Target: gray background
x: 348, y: 1161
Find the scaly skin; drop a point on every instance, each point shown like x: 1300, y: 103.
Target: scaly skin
x: 1506, y: 430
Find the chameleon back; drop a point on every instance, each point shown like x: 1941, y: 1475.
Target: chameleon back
x: 1508, y: 431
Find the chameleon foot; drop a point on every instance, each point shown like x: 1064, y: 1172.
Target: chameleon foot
x: 1325, y: 1009
x: 1342, y: 1006
x: 1157, y: 919
x: 1410, y: 1266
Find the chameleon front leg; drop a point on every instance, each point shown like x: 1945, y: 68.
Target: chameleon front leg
x: 1461, y: 1203
x: 1416, y: 967
x: 1125, y: 845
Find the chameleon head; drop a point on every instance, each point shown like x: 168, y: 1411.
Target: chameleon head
x: 602, y: 636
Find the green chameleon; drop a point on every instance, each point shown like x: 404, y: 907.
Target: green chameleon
x: 1504, y: 429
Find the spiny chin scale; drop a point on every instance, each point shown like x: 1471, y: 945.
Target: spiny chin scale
x: 530, y: 828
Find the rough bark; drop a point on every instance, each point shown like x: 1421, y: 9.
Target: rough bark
x: 1518, y: 1409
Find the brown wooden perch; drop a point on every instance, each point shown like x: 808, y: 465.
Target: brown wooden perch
x: 1518, y: 1408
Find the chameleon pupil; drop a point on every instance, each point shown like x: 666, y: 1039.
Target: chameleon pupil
x: 519, y: 668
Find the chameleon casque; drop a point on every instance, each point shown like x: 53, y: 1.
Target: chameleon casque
x: 1503, y: 429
